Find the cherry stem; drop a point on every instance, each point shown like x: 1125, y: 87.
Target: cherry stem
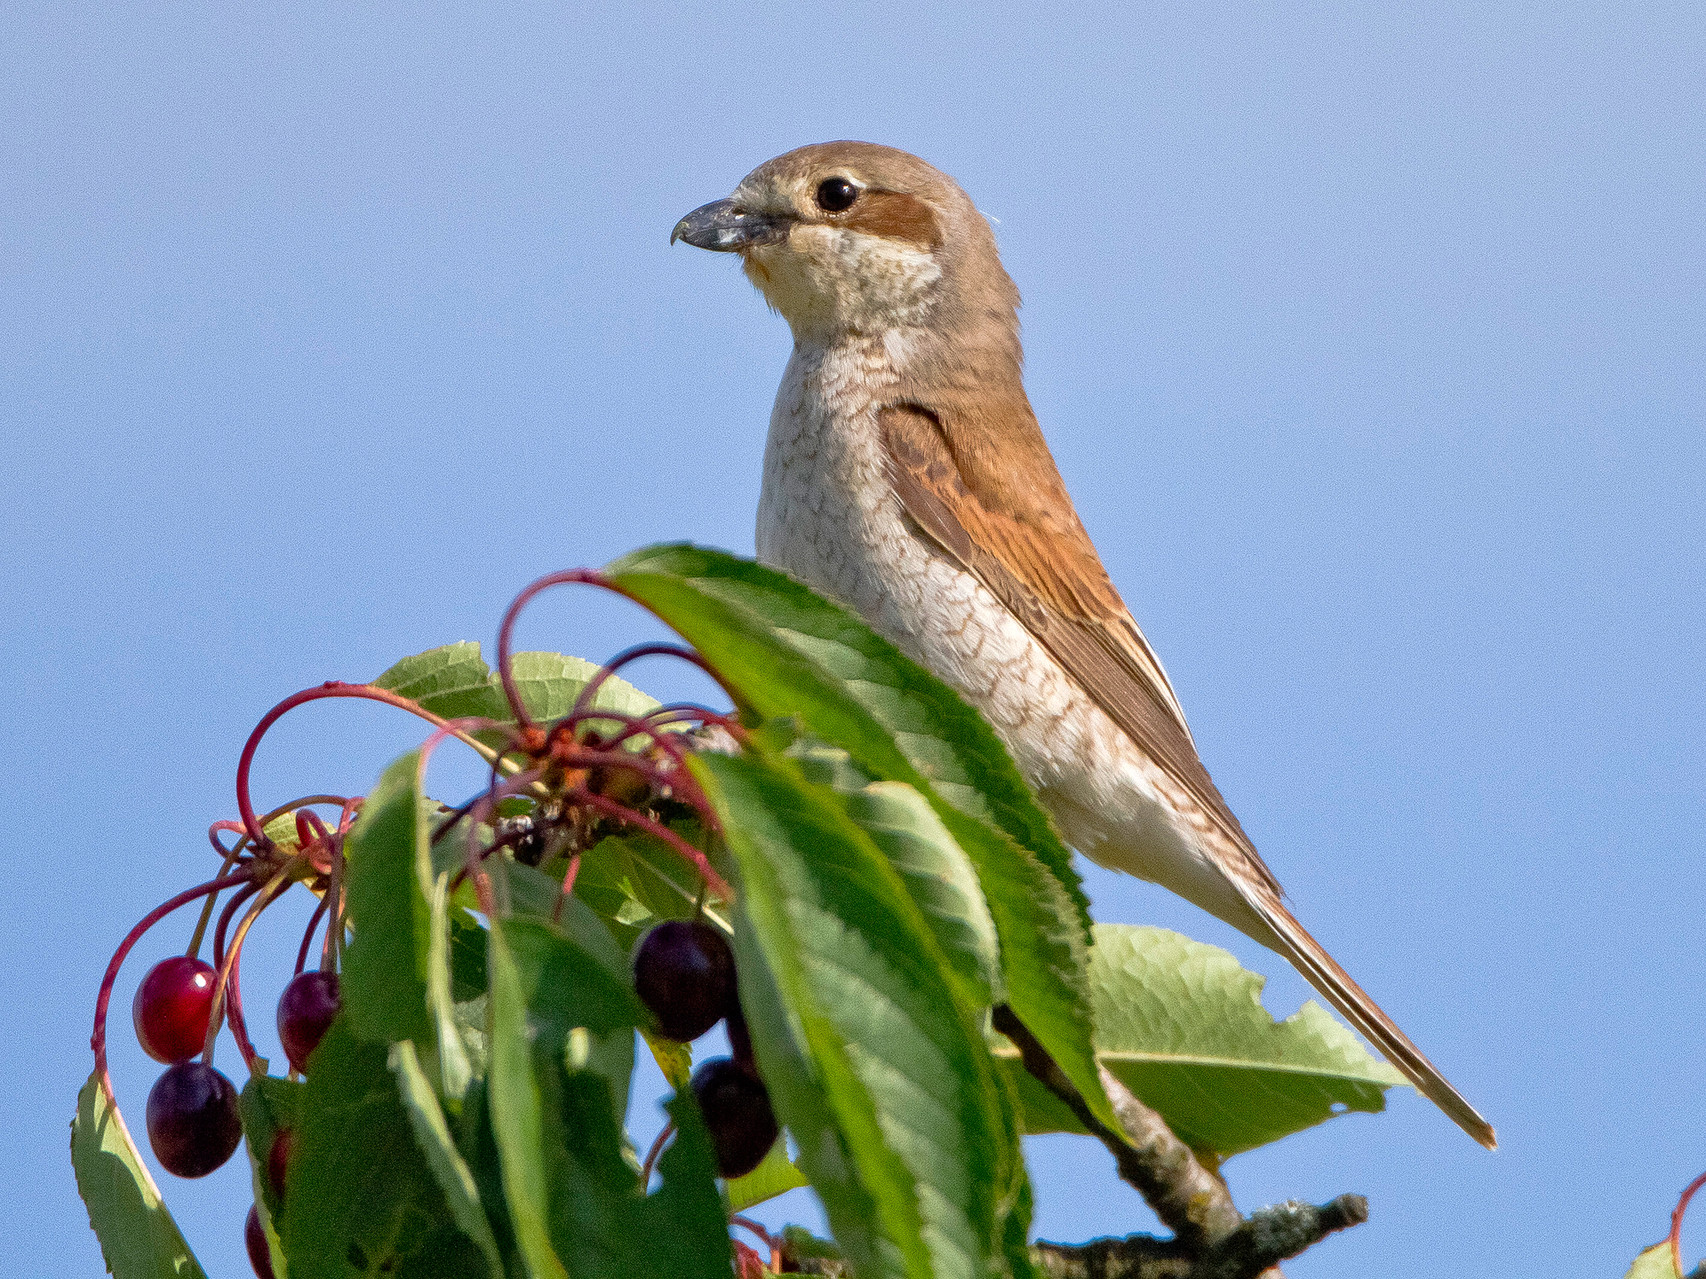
x: 584, y: 701
x: 623, y: 813
x: 1676, y: 1220
x: 308, y: 933
x: 228, y: 973
x: 98, y: 1040
x: 230, y: 854
x: 331, y: 688
x: 226, y: 916
x: 568, y: 888
x: 207, y: 906
x: 770, y: 1241
x: 332, y: 951
x: 586, y: 577
x: 653, y: 1153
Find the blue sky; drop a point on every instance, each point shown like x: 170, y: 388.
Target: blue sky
x: 1367, y: 337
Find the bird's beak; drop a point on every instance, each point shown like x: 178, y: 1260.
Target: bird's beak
x: 724, y: 227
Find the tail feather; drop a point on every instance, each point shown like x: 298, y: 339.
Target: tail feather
x: 1309, y: 958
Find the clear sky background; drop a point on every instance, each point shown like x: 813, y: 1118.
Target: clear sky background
x: 1369, y: 339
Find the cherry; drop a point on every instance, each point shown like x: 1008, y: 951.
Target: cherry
x: 304, y: 1011
x: 737, y: 1111
x: 192, y: 1119
x: 172, y: 1006
x: 684, y: 972
x: 255, y: 1241
x: 278, y: 1159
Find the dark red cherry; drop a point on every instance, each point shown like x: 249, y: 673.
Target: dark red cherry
x: 255, y: 1241
x: 737, y: 1110
x: 192, y: 1119
x: 171, y: 1008
x: 684, y: 972
x: 304, y: 1011
x: 278, y: 1159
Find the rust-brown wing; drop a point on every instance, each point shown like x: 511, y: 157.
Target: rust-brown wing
x: 1027, y: 546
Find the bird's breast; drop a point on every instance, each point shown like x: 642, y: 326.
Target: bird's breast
x: 828, y: 516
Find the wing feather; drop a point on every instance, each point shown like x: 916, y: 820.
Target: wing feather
x: 1027, y: 546
x: 1046, y: 571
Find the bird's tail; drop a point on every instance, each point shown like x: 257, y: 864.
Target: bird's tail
x: 1309, y: 958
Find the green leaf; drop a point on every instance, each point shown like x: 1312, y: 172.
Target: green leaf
x: 550, y: 682
x: 632, y: 881
x: 467, y: 955
x: 1182, y: 1025
x: 454, y: 682
x: 573, y: 1192
x: 455, y: 1069
x: 567, y: 988
x: 902, y: 717
x: 784, y: 652
x: 362, y: 1197
x: 777, y: 1175
x: 1656, y: 1262
x: 938, y: 875
x: 139, y: 1239
x: 674, y: 1059
x: 517, y: 1112
x: 536, y: 894
x: 386, y: 967
x: 268, y: 1105
x: 871, y: 1060
x: 685, y: 1219
x: 432, y: 1133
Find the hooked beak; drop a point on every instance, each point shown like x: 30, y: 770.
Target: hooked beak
x: 724, y: 227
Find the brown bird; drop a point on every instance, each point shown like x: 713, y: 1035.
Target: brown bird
x: 905, y: 475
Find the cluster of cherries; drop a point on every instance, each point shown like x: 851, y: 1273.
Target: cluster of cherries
x: 684, y: 973
x: 591, y: 770
x: 193, y: 1125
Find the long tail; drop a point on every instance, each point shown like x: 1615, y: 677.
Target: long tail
x: 1309, y: 958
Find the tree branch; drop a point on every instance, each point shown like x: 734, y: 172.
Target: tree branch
x: 1269, y: 1236
x: 1191, y: 1201
x: 1211, y: 1239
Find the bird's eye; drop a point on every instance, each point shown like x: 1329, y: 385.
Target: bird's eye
x: 836, y: 194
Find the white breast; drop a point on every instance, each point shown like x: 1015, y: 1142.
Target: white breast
x: 827, y: 515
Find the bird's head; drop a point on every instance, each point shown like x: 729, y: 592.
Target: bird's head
x: 853, y: 238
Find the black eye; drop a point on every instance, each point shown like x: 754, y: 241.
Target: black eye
x: 836, y: 194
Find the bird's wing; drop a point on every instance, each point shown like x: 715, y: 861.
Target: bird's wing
x: 1027, y: 546
x: 1033, y: 554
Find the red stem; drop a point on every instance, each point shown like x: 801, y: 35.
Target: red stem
x: 770, y: 1240
x: 98, y: 1040
x: 622, y: 813
x: 234, y: 1009
x: 331, y: 688
x: 568, y: 887
x: 584, y: 701
x: 587, y: 577
x: 227, y: 990
x: 506, y: 629
x: 308, y: 933
x: 1676, y: 1220
x: 237, y: 899
x: 652, y: 1155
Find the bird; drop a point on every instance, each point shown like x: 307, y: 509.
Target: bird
x: 905, y: 475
